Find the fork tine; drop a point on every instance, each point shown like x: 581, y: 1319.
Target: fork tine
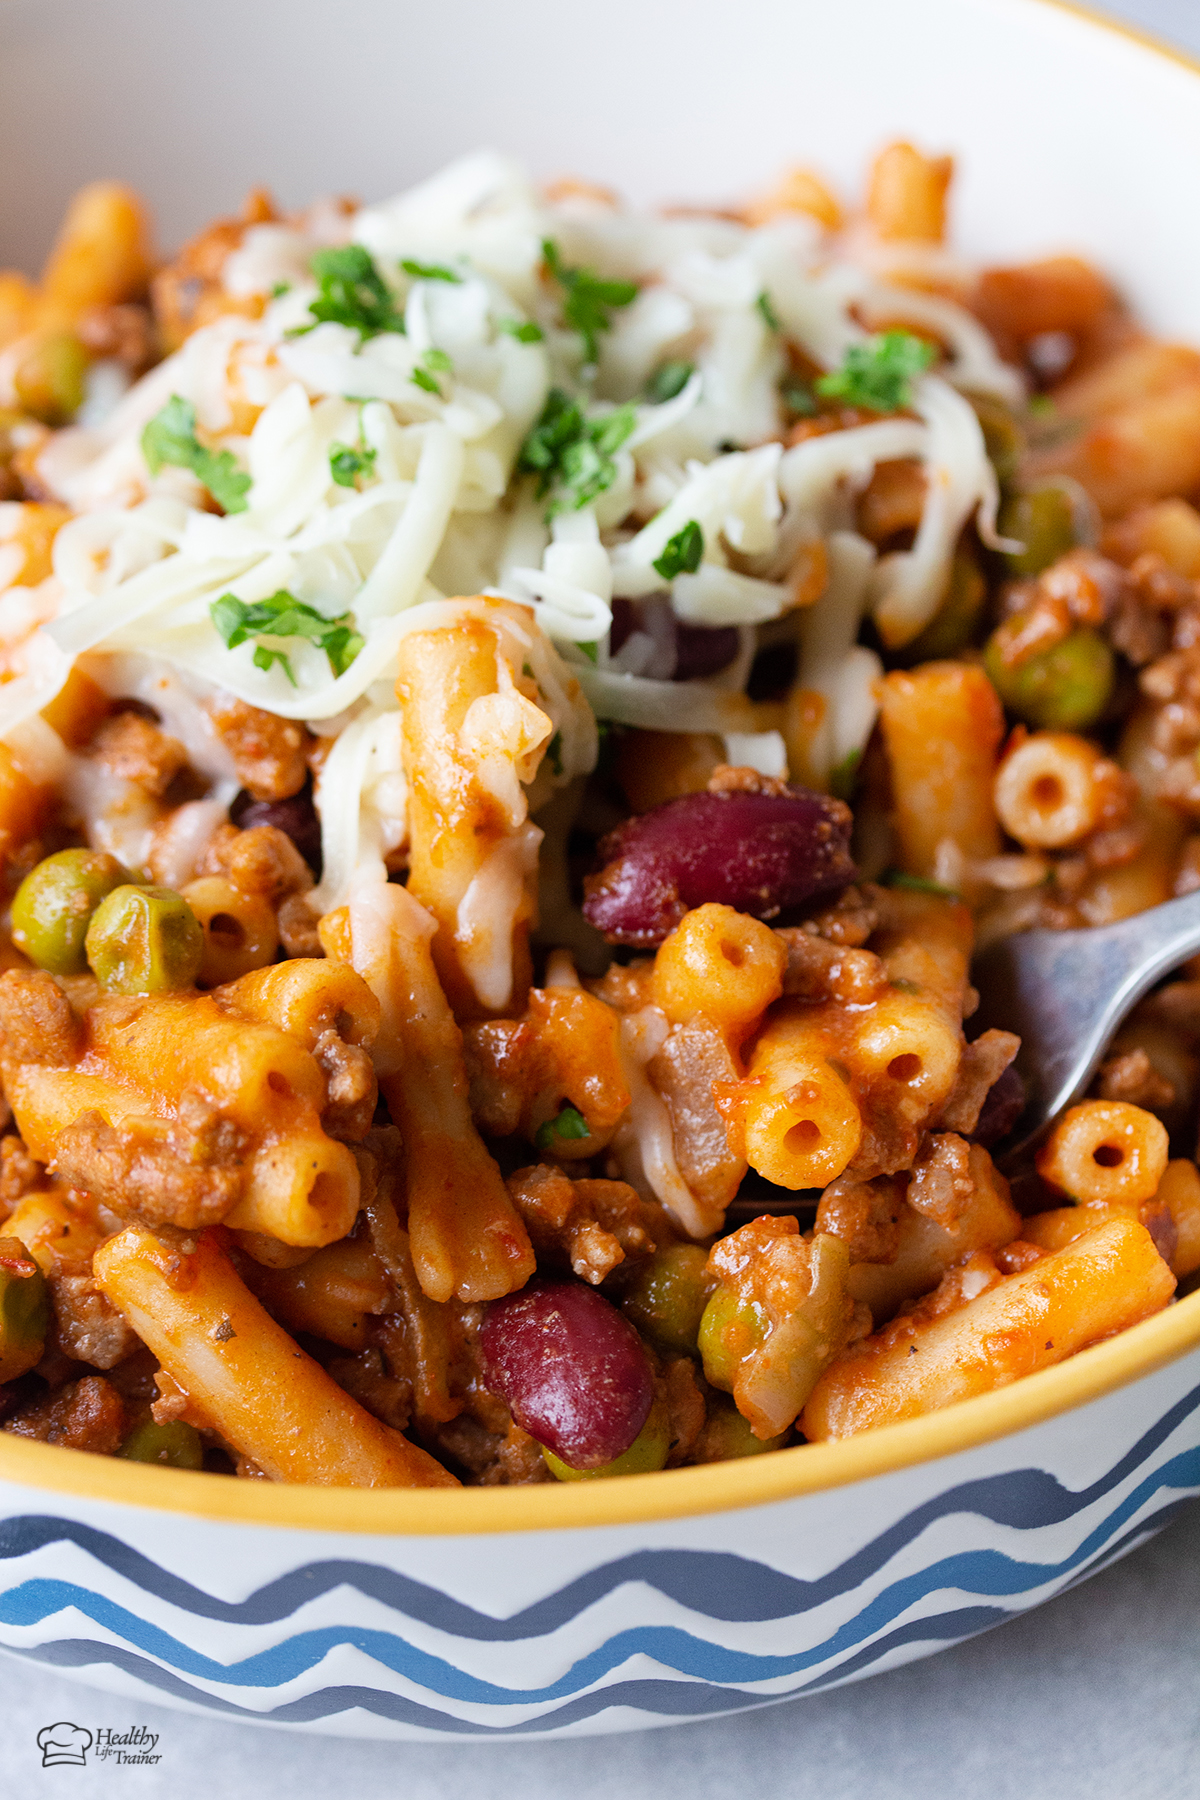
x: 1065, y: 992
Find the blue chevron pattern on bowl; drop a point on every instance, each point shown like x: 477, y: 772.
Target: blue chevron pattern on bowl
x: 598, y: 1628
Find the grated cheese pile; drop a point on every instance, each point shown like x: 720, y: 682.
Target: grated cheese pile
x: 677, y: 424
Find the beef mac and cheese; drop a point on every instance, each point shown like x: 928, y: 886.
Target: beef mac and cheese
x: 515, y: 715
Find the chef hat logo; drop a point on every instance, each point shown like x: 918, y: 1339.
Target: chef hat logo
x: 64, y: 1743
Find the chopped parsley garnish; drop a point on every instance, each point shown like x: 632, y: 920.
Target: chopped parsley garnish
x: 569, y: 1123
x: 429, y: 271
x: 1041, y: 406
x: 348, y: 461
x: 280, y: 289
x: 170, y: 437
x: 797, y: 397
x: 591, y: 650
x: 669, y: 379
x: 283, y: 616
x: 879, y: 374
x: 353, y: 293
x: 843, y: 777
x: 524, y: 330
x: 763, y: 303
x: 917, y: 884
x: 682, y: 553
x: 588, y: 300
x: 573, y: 454
x: 432, y: 364
x: 554, y: 753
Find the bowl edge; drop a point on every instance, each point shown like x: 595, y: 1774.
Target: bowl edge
x: 1089, y: 1375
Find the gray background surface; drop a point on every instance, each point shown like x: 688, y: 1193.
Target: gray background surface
x: 1095, y: 1695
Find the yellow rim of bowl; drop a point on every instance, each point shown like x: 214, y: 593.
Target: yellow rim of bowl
x: 675, y: 1493
x: 630, y: 1499
x: 1145, y: 40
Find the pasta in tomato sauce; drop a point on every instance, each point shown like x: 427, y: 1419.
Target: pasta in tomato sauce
x: 515, y: 716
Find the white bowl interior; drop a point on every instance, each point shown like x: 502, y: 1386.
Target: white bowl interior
x: 1068, y: 135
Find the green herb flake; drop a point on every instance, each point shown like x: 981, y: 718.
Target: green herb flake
x: 917, y: 884
x: 170, y: 437
x: 588, y: 300
x: 669, y: 379
x: 560, y: 424
x: 682, y: 554
x: 524, y: 330
x: 763, y: 303
x: 353, y: 293
x: 1041, y: 406
x: 432, y: 364
x: 569, y: 1123
x: 283, y: 616
x: 591, y: 650
x: 554, y: 753
x: 879, y: 374
x: 280, y: 289
x: 429, y: 271
x: 266, y: 659
x: 797, y: 397
x: 347, y: 462
x: 574, y: 455
x: 843, y: 778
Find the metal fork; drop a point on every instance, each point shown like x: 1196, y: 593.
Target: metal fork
x: 1065, y: 993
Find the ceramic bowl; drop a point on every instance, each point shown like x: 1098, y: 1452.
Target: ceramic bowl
x: 602, y: 1607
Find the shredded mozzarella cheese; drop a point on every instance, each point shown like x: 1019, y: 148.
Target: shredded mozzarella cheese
x: 437, y: 505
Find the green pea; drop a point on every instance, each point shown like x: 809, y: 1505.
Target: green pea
x: 1003, y: 437
x: 728, y: 1435
x: 667, y: 1296
x: 730, y: 1330
x: 24, y: 1310
x: 1043, y: 519
x: 175, y: 1444
x: 54, y: 905
x: 647, y: 1453
x: 1065, y: 688
x: 144, y: 940
x: 50, y: 378
x: 957, y: 619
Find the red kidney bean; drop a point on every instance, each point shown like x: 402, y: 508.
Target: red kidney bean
x: 756, y: 852
x: 703, y: 650
x: 624, y: 620
x: 296, y: 818
x: 700, y: 650
x: 772, y: 672
x: 571, y: 1368
x: 1003, y: 1105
